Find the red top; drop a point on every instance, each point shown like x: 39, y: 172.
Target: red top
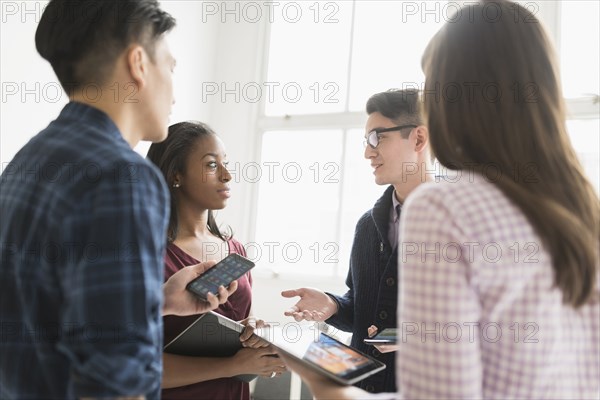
x: 236, y: 308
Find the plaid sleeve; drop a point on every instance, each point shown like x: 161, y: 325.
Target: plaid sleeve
x: 113, y: 287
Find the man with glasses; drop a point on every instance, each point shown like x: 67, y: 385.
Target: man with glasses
x: 397, y: 146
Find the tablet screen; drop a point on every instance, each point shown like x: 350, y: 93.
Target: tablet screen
x: 324, y: 352
x: 337, y: 358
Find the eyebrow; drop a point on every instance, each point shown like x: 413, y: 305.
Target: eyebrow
x: 215, y: 155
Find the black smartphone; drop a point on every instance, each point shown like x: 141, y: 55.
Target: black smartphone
x: 223, y: 273
x: 386, y: 336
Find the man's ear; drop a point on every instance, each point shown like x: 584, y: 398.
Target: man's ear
x: 137, y: 64
x: 422, y: 136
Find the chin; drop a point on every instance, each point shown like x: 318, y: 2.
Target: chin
x: 380, y: 181
x: 161, y: 136
x: 219, y: 205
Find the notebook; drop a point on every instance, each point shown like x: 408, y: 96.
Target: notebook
x: 211, y: 335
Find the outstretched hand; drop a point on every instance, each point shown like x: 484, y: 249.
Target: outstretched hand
x: 179, y: 301
x: 314, y: 305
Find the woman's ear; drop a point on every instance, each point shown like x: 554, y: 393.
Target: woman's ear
x: 176, y: 180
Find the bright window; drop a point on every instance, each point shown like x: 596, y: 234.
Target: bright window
x: 389, y: 39
x: 343, y: 54
x: 585, y: 138
x: 580, y: 41
x: 309, y: 58
x: 316, y: 186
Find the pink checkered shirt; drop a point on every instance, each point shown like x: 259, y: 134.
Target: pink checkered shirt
x: 478, y: 315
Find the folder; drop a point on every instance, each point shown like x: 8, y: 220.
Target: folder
x: 211, y: 335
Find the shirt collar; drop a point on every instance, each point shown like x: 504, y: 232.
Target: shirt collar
x: 91, y: 115
x: 395, y: 204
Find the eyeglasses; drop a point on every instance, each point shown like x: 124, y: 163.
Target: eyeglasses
x: 373, y: 137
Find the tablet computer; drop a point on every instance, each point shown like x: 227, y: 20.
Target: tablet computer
x: 386, y: 336
x: 322, y: 353
x: 211, y: 335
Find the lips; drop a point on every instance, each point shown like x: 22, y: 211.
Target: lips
x: 224, y: 192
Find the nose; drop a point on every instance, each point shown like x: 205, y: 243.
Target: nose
x: 225, y: 175
x: 370, y: 152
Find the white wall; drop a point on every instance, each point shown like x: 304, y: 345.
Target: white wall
x: 31, y: 94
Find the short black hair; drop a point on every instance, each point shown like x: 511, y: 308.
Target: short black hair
x: 402, y: 106
x: 83, y: 38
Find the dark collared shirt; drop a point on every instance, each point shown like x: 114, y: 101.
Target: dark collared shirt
x: 394, y: 221
x: 82, y: 238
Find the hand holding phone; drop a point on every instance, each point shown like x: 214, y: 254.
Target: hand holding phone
x: 222, y: 274
x: 387, y: 336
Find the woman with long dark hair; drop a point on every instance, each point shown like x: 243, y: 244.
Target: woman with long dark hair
x: 499, y: 284
x: 194, y: 164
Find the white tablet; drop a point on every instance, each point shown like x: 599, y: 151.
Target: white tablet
x: 322, y: 353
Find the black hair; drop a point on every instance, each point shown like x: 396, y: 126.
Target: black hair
x: 83, y: 38
x: 171, y: 156
x: 401, y: 106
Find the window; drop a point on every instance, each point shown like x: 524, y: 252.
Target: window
x: 580, y: 63
x: 311, y: 134
x: 579, y: 44
x: 308, y: 59
x: 585, y: 138
x: 389, y: 39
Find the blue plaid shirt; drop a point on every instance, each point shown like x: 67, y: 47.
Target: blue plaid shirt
x: 82, y: 239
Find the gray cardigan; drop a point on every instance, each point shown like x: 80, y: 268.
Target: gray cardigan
x: 372, y: 290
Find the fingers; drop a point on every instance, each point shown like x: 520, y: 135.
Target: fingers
x: 268, y: 351
x: 249, y: 328
x: 292, y: 293
x: 304, y: 315
x: 274, y: 371
x: 232, y: 287
x: 387, y: 348
x: 261, y: 323
x: 255, y: 342
x: 290, y: 311
x: 372, y: 330
x: 273, y: 365
x: 312, y: 315
x: 298, y: 316
x: 200, y: 268
x: 212, y: 300
x: 248, y: 338
x: 273, y: 374
x: 224, y: 293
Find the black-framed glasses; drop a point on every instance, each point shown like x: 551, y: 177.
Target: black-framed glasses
x: 373, y: 136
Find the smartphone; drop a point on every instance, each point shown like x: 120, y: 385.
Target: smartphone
x: 223, y: 273
x: 386, y: 336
